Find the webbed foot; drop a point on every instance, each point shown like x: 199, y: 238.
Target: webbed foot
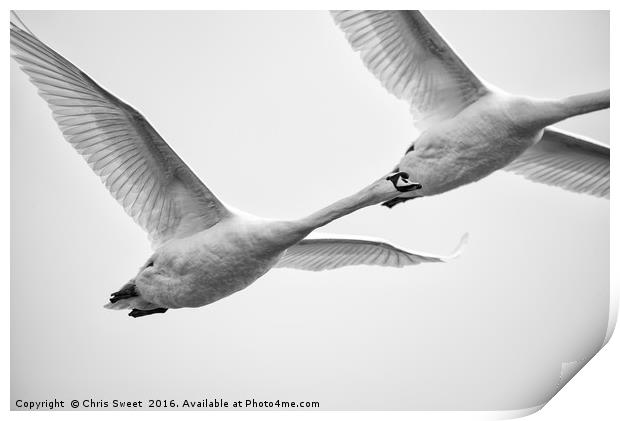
x: 401, y: 182
x: 391, y: 203
x: 139, y: 313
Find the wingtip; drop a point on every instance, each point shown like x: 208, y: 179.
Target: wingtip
x: 17, y: 22
x: 459, y: 248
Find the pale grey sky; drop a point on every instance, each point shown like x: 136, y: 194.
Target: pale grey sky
x: 278, y: 116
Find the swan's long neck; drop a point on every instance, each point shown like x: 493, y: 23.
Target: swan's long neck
x: 586, y: 103
x: 555, y: 111
x: 379, y: 191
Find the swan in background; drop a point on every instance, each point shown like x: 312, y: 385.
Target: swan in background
x: 204, y: 251
x: 469, y: 129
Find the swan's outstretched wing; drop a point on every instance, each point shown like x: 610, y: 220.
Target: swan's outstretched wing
x: 332, y: 252
x: 562, y: 159
x: 412, y: 61
x: 139, y: 169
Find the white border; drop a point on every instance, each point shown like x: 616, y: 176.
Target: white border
x: 588, y: 395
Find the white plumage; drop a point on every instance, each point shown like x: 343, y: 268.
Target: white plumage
x: 469, y: 128
x: 331, y: 252
x: 204, y: 251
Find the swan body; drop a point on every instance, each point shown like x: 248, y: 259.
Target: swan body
x: 483, y: 138
x: 203, y: 250
x: 469, y: 129
x: 212, y: 264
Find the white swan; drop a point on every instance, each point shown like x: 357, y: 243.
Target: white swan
x: 203, y: 250
x: 468, y: 128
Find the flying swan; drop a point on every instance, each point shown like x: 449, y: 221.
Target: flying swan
x: 204, y: 251
x: 469, y: 129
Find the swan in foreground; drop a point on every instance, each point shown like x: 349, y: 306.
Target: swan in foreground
x: 470, y: 129
x: 204, y: 251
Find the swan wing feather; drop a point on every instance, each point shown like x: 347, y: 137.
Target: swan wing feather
x: 412, y: 61
x: 154, y: 186
x: 324, y: 252
x: 572, y: 162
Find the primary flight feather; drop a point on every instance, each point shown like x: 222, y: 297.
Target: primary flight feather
x: 469, y: 129
x: 203, y: 250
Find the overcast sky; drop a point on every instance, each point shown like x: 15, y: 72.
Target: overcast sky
x: 277, y: 115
